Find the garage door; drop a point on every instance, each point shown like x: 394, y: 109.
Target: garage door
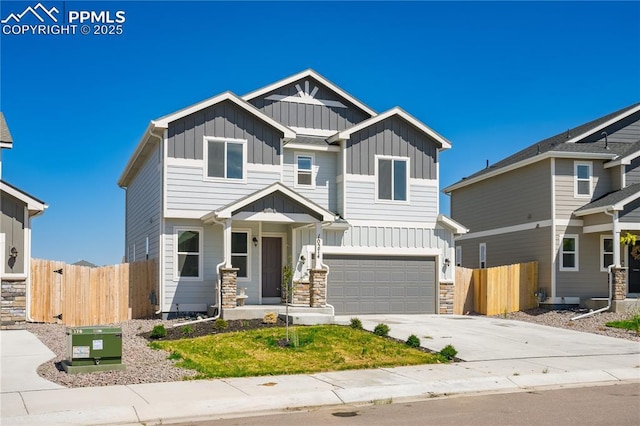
x: 381, y: 284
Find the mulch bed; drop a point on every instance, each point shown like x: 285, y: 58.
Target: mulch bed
x: 209, y: 327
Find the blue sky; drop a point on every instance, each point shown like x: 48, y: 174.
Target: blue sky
x: 491, y: 77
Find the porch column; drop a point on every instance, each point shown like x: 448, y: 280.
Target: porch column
x: 229, y: 287
x: 616, y: 240
x: 226, y: 241
x: 318, y: 262
x: 318, y: 287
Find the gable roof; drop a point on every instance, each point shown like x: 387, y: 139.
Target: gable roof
x: 6, y: 141
x: 561, y: 145
x: 396, y: 111
x: 615, y: 201
x: 309, y: 73
x: 34, y: 205
x: 227, y: 211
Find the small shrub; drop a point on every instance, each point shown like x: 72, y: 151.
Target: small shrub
x: 175, y: 356
x: 158, y: 332
x: 381, y: 330
x: 187, y: 330
x: 356, y: 324
x: 413, y: 341
x: 449, y: 352
x: 270, y: 318
x: 220, y: 324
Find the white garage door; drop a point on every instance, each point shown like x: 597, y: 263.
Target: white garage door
x: 381, y: 284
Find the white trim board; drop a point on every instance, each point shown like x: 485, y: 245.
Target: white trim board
x: 309, y: 131
x: 505, y: 230
x: 386, y: 251
x: 328, y: 148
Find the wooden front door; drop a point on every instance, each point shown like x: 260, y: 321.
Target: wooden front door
x: 634, y: 273
x: 271, y: 266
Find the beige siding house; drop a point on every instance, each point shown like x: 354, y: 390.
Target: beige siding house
x: 564, y: 202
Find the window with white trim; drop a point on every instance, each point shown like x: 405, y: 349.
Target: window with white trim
x: 188, y: 253
x: 606, y: 252
x: 482, y: 253
x: 392, y: 178
x: 226, y: 158
x: 240, y: 252
x: 583, y: 179
x: 569, y: 253
x: 304, y: 170
x: 458, y: 255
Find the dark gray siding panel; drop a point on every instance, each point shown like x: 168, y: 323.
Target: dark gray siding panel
x: 12, y: 226
x: 308, y: 115
x: 513, y: 198
x: 278, y: 203
x: 393, y: 136
x: 632, y: 174
x: 510, y: 248
x: 624, y: 131
x: 224, y: 120
x: 631, y: 212
x: 381, y: 284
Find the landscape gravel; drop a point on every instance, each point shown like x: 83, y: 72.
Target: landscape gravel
x: 146, y: 365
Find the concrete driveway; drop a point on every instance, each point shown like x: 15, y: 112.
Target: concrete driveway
x: 492, y: 339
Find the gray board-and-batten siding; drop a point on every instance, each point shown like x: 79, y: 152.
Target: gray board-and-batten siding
x: 224, y: 120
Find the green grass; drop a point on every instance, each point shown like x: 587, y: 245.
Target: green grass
x: 632, y: 324
x: 320, y: 348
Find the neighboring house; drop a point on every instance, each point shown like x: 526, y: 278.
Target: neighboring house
x: 235, y: 188
x: 86, y: 263
x: 563, y: 202
x: 18, y: 208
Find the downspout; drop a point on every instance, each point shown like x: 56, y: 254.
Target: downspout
x: 218, y: 288
x: 162, y: 227
x: 616, y: 262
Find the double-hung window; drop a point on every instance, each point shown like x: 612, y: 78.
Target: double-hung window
x: 304, y: 170
x: 240, y: 252
x: 569, y: 253
x: 583, y: 179
x: 225, y: 158
x: 392, y: 178
x: 188, y: 245
x: 606, y: 252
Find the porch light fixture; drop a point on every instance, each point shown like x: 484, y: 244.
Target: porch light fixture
x: 447, y: 262
x: 13, y: 252
x: 255, y: 242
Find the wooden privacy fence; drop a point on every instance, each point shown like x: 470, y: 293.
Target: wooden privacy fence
x: 494, y: 291
x: 81, y: 295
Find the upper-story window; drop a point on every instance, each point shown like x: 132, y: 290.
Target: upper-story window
x: 392, y: 178
x: 304, y: 170
x: 583, y: 179
x: 188, y: 253
x: 226, y: 158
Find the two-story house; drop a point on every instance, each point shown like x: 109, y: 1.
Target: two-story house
x: 17, y: 209
x: 564, y: 201
x: 226, y: 192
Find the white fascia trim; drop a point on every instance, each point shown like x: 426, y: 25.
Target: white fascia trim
x: 605, y: 227
x: 604, y: 125
x: 163, y: 122
x: 527, y: 162
x: 184, y: 214
x: 275, y: 217
x: 456, y: 227
x: 619, y: 206
x: 386, y: 251
x: 309, y: 73
x: 328, y: 148
x: 630, y: 226
x: 623, y: 161
x: 226, y: 212
x: 392, y: 224
x: 506, y: 230
x: 6, y: 145
x: 308, y: 131
x: 32, y: 204
x: 346, y: 134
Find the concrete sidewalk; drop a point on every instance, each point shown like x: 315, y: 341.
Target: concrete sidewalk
x: 614, y: 360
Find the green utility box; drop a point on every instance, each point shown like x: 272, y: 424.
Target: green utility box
x: 93, y: 349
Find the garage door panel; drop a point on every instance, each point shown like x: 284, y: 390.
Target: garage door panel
x: 381, y: 284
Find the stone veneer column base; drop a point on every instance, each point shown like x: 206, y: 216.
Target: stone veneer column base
x: 229, y: 287
x: 619, y: 283
x: 301, y: 294
x: 14, y: 305
x: 446, y: 295
x: 318, y: 288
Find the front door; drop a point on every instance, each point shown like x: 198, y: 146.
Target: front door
x: 271, y: 266
x: 634, y: 272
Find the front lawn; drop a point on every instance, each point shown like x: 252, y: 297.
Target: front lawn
x: 319, y: 348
